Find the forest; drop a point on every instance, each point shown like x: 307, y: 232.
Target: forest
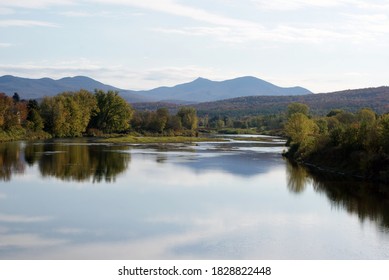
x: 344, y: 142
x: 82, y: 113
x: 320, y: 104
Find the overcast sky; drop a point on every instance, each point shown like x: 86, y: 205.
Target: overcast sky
x: 323, y: 45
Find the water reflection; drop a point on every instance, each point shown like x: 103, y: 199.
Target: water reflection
x: 367, y: 200
x: 64, y: 160
x: 10, y: 160
x: 297, y: 177
x: 208, y: 200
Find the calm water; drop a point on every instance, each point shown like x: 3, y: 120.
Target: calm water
x: 234, y: 200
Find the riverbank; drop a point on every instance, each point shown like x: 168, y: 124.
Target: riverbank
x: 358, y: 164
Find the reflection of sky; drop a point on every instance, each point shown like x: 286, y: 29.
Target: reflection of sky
x: 204, y: 203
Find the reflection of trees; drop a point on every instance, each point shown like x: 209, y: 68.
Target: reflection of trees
x: 10, y: 161
x: 297, y: 177
x: 78, y: 162
x: 108, y: 163
x: 32, y: 153
x: 364, y: 199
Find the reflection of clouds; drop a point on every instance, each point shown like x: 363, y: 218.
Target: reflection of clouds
x: 3, y: 196
x: 23, y: 219
x: 26, y: 241
x: 173, y: 175
x: 208, y: 234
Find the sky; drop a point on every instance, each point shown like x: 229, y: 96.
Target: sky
x: 322, y: 45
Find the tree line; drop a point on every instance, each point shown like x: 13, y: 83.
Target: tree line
x: 74, y: 114
x: 356, y: 143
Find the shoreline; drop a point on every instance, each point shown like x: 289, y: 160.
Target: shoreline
x: 336, y: 171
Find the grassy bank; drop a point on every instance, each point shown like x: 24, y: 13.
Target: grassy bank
x: 17, y: 134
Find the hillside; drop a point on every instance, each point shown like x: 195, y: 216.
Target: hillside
x: 351, y: 100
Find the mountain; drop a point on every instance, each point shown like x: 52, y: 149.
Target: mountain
x: 38, y: 88
x: 202, y: 90
x: 199, y: 90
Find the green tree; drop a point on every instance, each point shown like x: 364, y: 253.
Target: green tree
x: 34, y: 121
x: 383, y: 128
x: 368, y: 132
x: 159, y: 120
x: 302, y: 132
x: 174, y: 123
x: 88, y: 104
x: 188, y: 117
x: 114, y: 113
x: 68, y: 114
x: 295, y: 107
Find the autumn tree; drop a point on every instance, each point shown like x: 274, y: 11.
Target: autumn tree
x: 68, y: 114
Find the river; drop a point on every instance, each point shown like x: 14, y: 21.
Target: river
x: 77, y: 199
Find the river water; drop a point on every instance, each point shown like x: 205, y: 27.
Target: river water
x: 76, y: 199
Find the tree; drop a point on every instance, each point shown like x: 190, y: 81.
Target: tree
x: 174, y: 123
x: 159, y: 120
x: 34, y: 121
x: 383, y: 127
x: 114, y: 113
x: 12, y: 114
x: 88, y: 105
x: 295, y: 107
x: 16, y: 97
x: 302, y: 132
x: 68, y: 114
x: 188, y: 117
x: 5, y: 107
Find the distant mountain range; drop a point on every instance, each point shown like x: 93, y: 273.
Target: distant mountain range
x: 202, y: 90
x: 38, y: 88
x: 199, y: 90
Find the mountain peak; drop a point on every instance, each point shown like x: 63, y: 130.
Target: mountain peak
x: 201, y: 80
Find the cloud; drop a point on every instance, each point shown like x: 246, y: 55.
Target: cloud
x: 105, y: 14
x: 26, y: 23
x: 233, y: 30
x: 34, y: 4
x: 294, y: 4
x: 281, y: 33
x: 174, y: 8
x: 77, y: 14
x: 288, y: 5
x: 368, y: 25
